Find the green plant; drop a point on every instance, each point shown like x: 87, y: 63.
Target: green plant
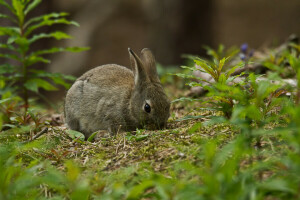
x: 20, y: 75
x: 259, y: 110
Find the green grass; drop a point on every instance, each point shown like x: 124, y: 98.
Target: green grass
x: 186, y: 161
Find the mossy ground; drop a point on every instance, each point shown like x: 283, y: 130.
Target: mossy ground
x: 125, y: 159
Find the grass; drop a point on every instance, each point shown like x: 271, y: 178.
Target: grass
x: 131, y: 164
x: 241, y: 141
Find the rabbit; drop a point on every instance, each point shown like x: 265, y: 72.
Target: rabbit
x: 113, y: 98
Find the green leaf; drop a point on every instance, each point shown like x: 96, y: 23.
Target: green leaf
x: 90, y: 139
x: 222, y: 79
x: 8, y: 17
x: 45, y: 17
x: 4, y: 3
x: 183, y: 75
x: 4, y: 100
x: 10, y: 56
x: 278, y: 185
x: 76, y: 49
x: 253, y: 112
x: 32, y: 59
x: 221, y: 64
x: 10, y: 31
x: 196, y: 127
x: 7, y: 68
x: 60, y: 81
x: 7, y: 46
x: 139, y: 189
x: 75, y: 134
x: 41, y: 73
x: 59, y: 49
x: 49, y: 22
x: 19, y: 6
x: 229, y: 72
x: 35, y: 83
x: 211, y: 52
x: 57, y: 35
x: 206, y: 67
x: 23, y: 44
x: 32, y: 5
x: 32, y: 86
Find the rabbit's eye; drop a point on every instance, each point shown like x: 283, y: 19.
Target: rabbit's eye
x: 147, y: 108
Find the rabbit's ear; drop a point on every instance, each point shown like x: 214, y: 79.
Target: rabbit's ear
x: 140, y: 75
x: 149, y: 62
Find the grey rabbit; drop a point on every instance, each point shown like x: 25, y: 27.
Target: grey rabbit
x: 112, y: 97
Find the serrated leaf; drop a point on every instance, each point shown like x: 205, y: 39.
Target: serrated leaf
x: 10, y: 56
x: 32, y: 5
x: 44, y: 17
x: 8, y: 17
x: 222, y: 79
x: 35, y: 83
x: 55, y: 77
x: 190, y: 68
x: 49, y: 22
x: 18, y: 6
x: 58, y: 49
x: 7, y: 46
x: 211, y: 52
x: 4, y: 3
x: 183, y: 75
x: 7, y: 68
x: 32, y: 59
x: 76, y: 49
x: 221, y: 64
x: 229, y: 72
x: 10, y: 31
x: 57, y: 35
x: 208, y: 69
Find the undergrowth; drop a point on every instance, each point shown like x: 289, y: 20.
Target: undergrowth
x: 240, y: 141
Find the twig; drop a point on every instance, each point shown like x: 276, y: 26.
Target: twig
x: 40, y: 133
x: 37, y: 135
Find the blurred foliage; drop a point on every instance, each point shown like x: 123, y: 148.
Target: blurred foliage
x: 21, y: 74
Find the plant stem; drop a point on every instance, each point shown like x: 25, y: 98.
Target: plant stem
x: 24, y: 80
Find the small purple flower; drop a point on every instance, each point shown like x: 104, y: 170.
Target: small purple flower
x: 244, y: 48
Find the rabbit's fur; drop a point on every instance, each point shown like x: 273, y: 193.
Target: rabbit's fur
x: 112, y: 97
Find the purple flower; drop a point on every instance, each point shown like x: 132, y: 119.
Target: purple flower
x: 244, y: 48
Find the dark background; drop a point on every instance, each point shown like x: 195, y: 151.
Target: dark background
x: 168, y: 27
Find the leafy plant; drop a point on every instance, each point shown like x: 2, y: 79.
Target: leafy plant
x: 19, y: 74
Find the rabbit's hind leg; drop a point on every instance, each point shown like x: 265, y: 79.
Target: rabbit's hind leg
x: 72, y: 123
